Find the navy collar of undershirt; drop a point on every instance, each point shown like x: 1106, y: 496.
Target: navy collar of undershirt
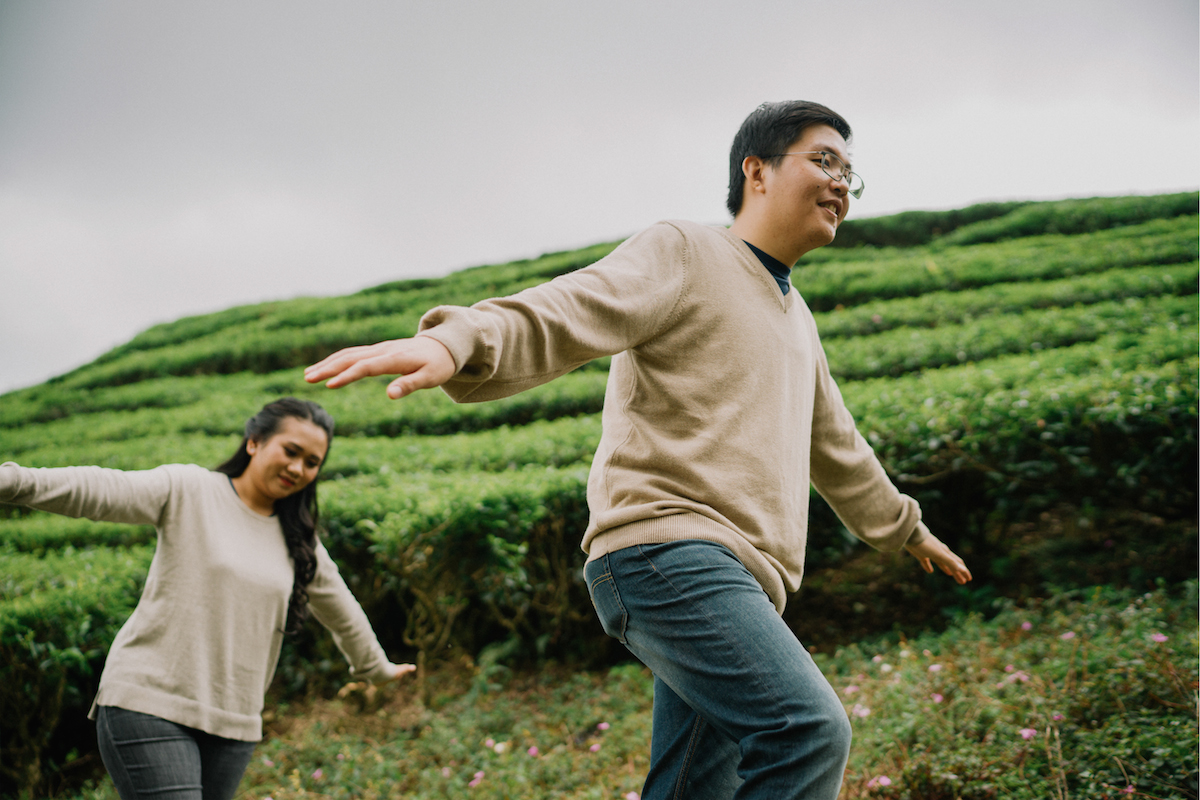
x: 779, y: 271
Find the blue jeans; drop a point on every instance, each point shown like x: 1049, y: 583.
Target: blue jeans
x: 740, y: 709
x: 150, y: 757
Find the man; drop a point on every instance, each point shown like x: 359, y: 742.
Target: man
x: 719, y: 411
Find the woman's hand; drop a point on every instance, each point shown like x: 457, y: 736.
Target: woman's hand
x: 931, y: 550
x: 421, y: 363
x: 399, y: 670
x: 363, y: 694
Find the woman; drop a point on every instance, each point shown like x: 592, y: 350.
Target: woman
x: 237, y: 566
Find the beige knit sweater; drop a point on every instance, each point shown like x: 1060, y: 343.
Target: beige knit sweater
x: 202, y: 644
x: 719, y: 409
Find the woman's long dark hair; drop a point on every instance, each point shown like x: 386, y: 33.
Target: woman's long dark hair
x: 298, y: 513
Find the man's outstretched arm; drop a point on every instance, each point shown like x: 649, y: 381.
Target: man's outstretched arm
x: 421, y: 363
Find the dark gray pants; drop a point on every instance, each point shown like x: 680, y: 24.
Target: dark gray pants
x: 150, y: 757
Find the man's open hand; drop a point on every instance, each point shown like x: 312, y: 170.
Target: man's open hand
x: 421, y: 363
x: 933, y: 551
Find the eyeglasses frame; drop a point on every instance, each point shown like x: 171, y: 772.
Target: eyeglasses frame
x: 825, y: 154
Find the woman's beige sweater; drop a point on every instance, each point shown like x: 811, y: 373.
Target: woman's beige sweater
x: 202, y: 644
x: 719, y: 410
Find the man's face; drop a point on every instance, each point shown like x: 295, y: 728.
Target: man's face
x: 804, y: 204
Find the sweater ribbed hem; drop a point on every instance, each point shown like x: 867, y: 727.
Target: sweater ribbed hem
x: 686, y: 525
x: 180, y: 710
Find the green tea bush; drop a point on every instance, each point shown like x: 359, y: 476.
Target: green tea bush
x: 915, y: 228
x: 960, y: 307
x: 1113, y: 421
x: 990, y: 222
x: 39, y: 533
x: 826, y: 285
x: 210, y: 426
x: 905, y: 350
x: 467, y: 553
x: 562, y: 442
x: 1074, y: 217
x: 58, y: 615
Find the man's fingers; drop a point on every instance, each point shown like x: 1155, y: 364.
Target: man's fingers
x: 420, y: 362
x: 333, y: 364
x: 401, y: 387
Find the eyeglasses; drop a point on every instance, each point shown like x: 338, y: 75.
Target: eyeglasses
x: 835, y: 168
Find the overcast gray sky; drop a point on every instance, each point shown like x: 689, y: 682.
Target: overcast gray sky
x: 164, y: 159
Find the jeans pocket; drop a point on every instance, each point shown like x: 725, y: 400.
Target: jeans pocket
x: 606, y: 599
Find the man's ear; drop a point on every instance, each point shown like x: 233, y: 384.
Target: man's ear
x: 754, y: 169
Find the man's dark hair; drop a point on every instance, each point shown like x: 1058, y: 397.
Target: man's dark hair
x: 769, y: 131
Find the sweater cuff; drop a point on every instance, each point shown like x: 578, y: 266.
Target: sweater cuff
x: 9, y: 480
x: 460, y: 339
x: 378, y: 674
x: 918, y: 535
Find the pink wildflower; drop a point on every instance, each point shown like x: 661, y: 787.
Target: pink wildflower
x: 603, y: 726
x: 937, y: 698
x: 1009, y: 668
x: 317, y: 773
x: 1027, y: 733
x: 935, y: 667
x: 1026, y: 625
x: 632, y: 796
x: 595, y: 748
x: 1128, y: 790
x: 877, y: 659
x: 341, y: 756
x: 879, y: 780
x: 478, y: 779
x: 489, y: 743
x: 860, y: 710
x: 851, y: 689
x: 1158, y: 637
x: 268, y: 762
x: 533, y: 751
x: 1058, y: 718
x: 1068, y: 636
x: 445, y: 772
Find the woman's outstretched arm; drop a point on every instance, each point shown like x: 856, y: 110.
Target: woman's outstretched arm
x: 108, y: 495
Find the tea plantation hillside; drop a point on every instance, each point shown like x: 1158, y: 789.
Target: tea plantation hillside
x: 1014, y: 365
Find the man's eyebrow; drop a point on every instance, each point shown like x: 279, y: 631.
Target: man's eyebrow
x: 846, y: 157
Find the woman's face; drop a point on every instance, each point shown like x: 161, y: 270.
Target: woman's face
x: 289, y: 460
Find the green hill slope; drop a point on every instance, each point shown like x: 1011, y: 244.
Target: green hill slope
x: 1004, y: 360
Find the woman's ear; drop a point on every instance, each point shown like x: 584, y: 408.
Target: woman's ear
x: 251, y: 446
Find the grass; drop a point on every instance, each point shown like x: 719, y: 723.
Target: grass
x: 1091, y: 694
